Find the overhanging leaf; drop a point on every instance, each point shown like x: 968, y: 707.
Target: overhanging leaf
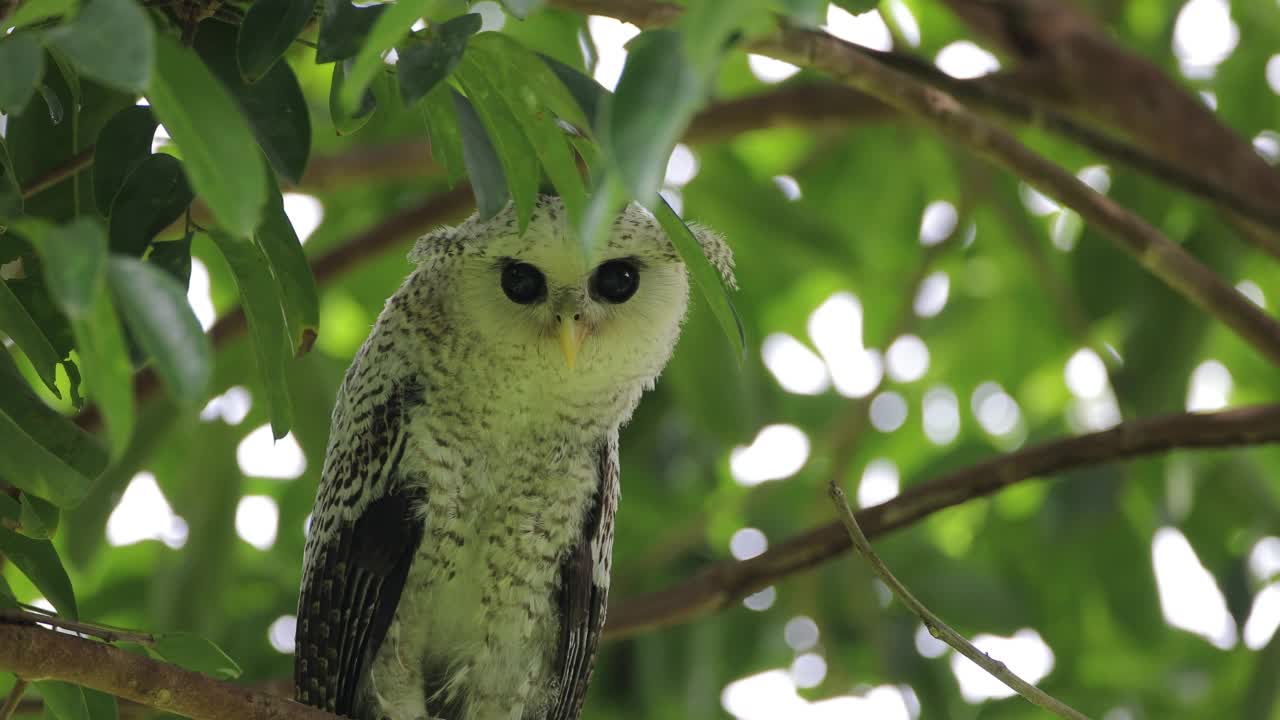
x: 40, y: 563
x: 21, y: 67
x: 17, y: 323
x: 343, y: 28
x: 488, y: 180
x: 63, y: 700
x: 296, y: 284
x: 390, y: 28
x: 424, y: 63
x: 218, y: 149
x: 39, y: 517
x: 345, y: 122
x: 156, y: 310
x: 268, y: 29
x: 443, y: 133
x: 111, y: 41
x: 518, y: 159
x: 154, y: 195
x: 54, y: 431
x: 125, y: 141
x: 30, y: 467
x: 195, y: 653
x: 258, y: 292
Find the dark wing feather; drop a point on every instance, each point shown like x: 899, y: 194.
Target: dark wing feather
x: 582, y: 598
x: 356, y: 571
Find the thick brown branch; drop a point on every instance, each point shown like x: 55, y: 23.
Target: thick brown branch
x: 34, y: 653
x: 724, y: 583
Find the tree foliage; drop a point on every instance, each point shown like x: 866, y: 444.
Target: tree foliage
x: 910, y: 307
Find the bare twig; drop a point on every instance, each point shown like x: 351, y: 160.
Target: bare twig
x: 35, y: 653
x: 935, y: 625
x: 102, y: 632
x: 722, y: 584
x: 15, y: 697
x: 73, y: 165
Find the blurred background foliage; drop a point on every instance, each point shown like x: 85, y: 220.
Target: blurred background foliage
x: 908, y: 311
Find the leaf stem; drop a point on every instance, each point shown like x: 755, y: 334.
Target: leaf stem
x: 936, y: 626
x: 15, y: 696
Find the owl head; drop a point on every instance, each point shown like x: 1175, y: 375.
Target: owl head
x: 542, y: 304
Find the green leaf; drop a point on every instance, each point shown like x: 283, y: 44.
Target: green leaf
x: 125, y: 141
x: 63, y: 700
x: 156, y: 310
x: 857, y: 7
x: 296, y: 284
x: 53, y: 431
x: 34, y: 11
x: 74, y: 258
x: 522, y: 8
x: 218, y: 149
x: 31, y: 467
x: 343, y: 122
x: 259, y: 294
x: 656, y: 97
x: 39, y: 517
x: 195, y: 653
x: 423, y: 64
x: 704, y: 274
x: 7, y: 599
x: 11, y: 202
x: 544, y: 135
x: 40, y: 563
x: 442, y: 131
x: 488, y: 181
x: 343, y: 28
x: 111, y: 41
x: 274, y: 105
x: 390, y: 28
x: 17, y: 323
x: 154, y: 195
x: 706, y: 26
x: 519, y: 161
x: 174, y: 257
x: 541, y: 83
x: 101, y: 705
x: 268, y: 29
x: 808, y: 13
x: 21, y: 67
x: 588, y: 94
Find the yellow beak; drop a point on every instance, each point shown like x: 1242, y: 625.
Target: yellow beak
x: 571, y: 335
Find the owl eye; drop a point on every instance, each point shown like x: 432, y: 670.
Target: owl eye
x: 523, y: 283
x: 615, y: 281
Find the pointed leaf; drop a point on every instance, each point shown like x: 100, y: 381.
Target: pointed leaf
x: 30, y: 467
x: 519, y: 161
x: 195, y: 653
x: 111, y: 41
x: 345, y: 122
x: 441, y: 117
x: 63, y: 700
x: 40, y: 563
x: 174, y: 257
x: 488, y: 180
x: 268, y: 29
x: 390, y: 28
x: 704, y: 274
x: 274, y: 105
x: 52, y: 430
x: 296, y: 284
x: 258, y: 292
x: 101, y: 705
x: 154, y: 195
x: 156, y: 310
x: 11, y: 202
x: 125, y: 141
x: 34, y: 11
x: 424, y: 63
x: 218, y: 149
x: 21, y: 67
x: 39, y: 517
x: 343, y: 28
x: 541, y: 81
x: 18, y: 324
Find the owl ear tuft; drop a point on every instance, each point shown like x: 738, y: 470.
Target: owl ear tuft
x: 434, y: 245
x: 717, y: 251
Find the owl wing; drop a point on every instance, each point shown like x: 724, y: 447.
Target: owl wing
x: 584, y: 591
x: 364, y: 534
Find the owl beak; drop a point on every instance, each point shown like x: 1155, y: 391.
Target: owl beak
x: 571, y: 335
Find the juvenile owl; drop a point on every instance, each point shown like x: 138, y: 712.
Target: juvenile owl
x: 458, y: 560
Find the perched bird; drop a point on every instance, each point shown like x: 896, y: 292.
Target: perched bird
x: 458, y: 558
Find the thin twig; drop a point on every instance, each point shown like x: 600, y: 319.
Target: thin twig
x: 936, y: 626
x: 103, y: 632
x: 15, y: 697
x: 73, y: 165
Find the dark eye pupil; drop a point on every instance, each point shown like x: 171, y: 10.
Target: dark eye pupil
x: 523, y: 283
x: 615, y: 281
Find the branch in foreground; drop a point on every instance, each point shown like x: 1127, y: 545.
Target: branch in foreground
x: 724, y: 583
x: 34, y: 653
x: 936, y: 626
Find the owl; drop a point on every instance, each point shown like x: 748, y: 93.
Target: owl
x: 458, y: 558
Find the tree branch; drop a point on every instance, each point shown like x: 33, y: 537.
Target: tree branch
x: 933, y: 108
x: 935, y: 625
x: 34, y: 653
x: 722, y: 584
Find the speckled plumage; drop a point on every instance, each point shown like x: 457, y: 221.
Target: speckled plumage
x: 458, y: 561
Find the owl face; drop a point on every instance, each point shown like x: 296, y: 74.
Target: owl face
x: 543, y: 304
